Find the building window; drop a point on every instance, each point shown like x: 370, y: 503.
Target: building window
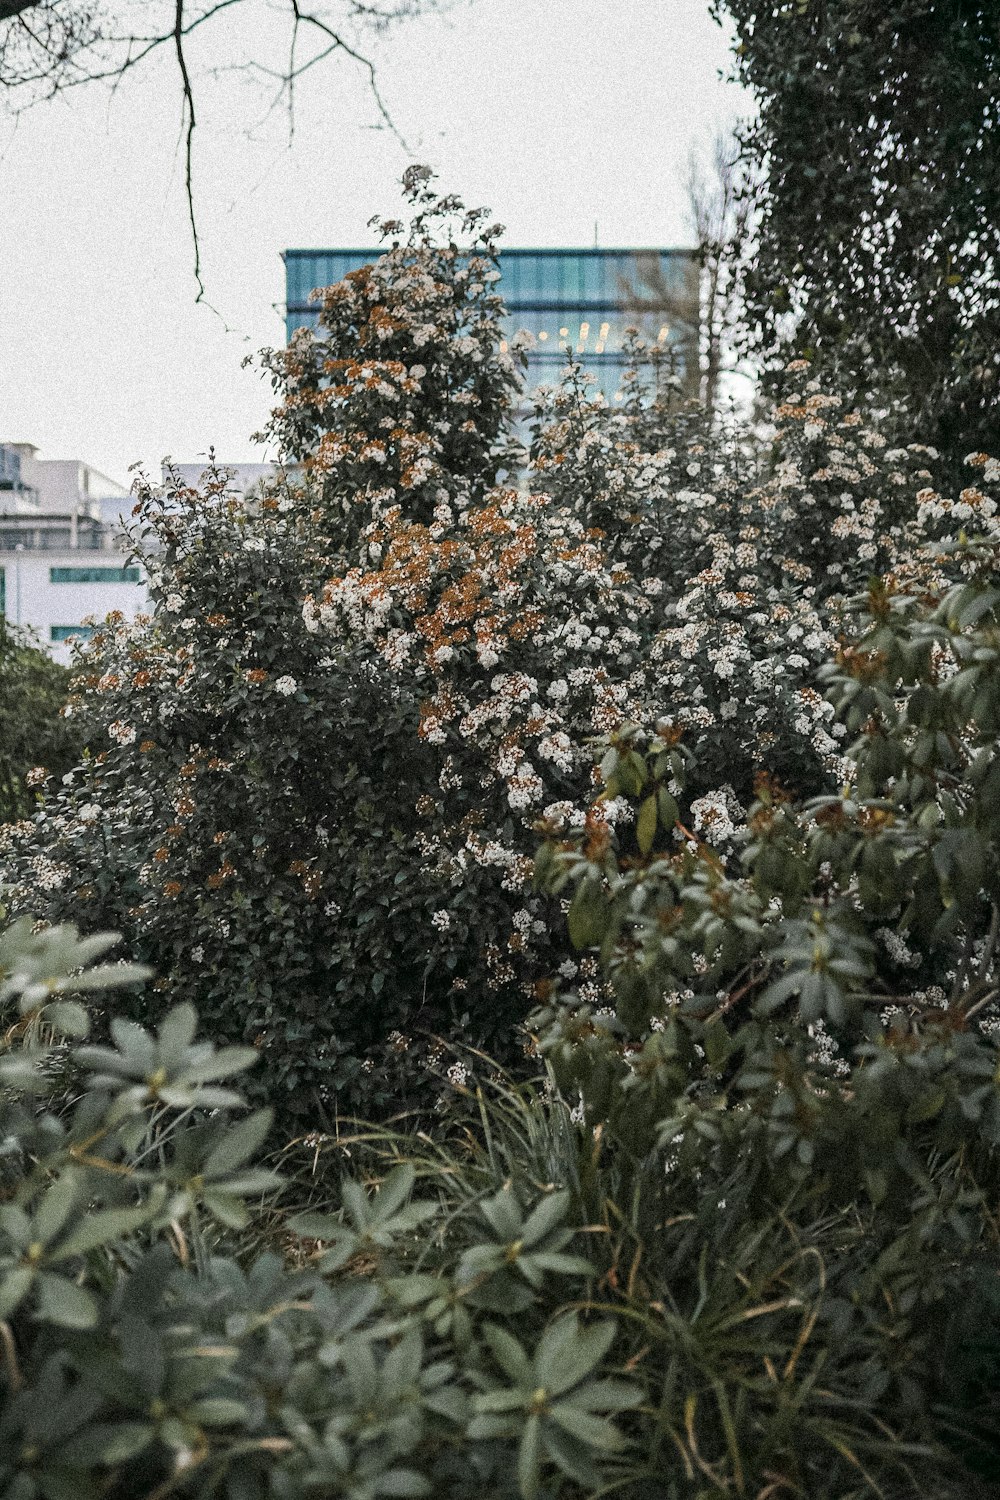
x: 94, y: 575
x: 64, y: 632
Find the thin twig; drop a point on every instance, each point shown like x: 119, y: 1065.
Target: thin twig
x: 67, y: 67
x: 187, y: 113
x: 366, y: 63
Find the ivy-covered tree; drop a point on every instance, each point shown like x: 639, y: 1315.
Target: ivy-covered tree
x: 879, y: 234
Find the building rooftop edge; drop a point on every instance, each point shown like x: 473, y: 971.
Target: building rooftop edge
x: 377, y: 250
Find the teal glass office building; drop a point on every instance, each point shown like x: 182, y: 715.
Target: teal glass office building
x: 578, y: 301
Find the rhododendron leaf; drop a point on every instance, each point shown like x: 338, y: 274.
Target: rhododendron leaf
x: 645, y: 828
x: 587, y: 916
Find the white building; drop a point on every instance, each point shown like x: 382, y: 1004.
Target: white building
x: 243, y: 479
x: 63, y: 555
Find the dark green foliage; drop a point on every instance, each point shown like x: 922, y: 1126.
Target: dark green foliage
x: 523, y: 1309
x: 33, y: 734
x: 879, y: 234
x: 137, y: 1357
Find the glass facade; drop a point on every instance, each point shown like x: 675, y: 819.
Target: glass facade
x: 94, y: 575
x: 571, y: 301
x: 65, y: 632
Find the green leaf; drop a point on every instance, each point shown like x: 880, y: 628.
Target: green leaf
x: 109, y: 977
x: 568, y: 1352
x: 490, y: 1425
x: 55, y: 1208
x: 14, y: 1288
x: 61, y: 1301
x: 503, y: 1214
x: 108, y: 1443
x: 645, y: 828
x: 508, y: 1354
x: 587, y: 917
x: 544, y: 1217
x: 595, y: 1432
x: 107, y: 1224
x: 605, y: 1395
x: 562, y: 1262
x: 68, y: 1017
x: 228, y: 1210
x: 313, y: 1226
x: 221, y: 1064
x: 529, y: 1458
x: 571, y: 1457
x: 16, y: 1223
x: 175, y: 1034
x: 393, y: 1192
x: 667, y: 808
x: 217, y: 1411
x: 238, y: 1143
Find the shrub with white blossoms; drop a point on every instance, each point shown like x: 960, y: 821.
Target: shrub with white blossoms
x: 258, y: 788
x: 322, y: 765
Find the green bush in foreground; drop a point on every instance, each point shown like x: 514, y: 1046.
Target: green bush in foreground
x: 524, y: 1312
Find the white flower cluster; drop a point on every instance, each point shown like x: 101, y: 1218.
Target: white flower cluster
x: 716, y: 816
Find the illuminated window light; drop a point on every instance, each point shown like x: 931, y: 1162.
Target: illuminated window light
x: 619, y: 396
x: 503, y: 346
x: 564, y: 333
x: 581, y: 346
x: 598, y: 348
x: 542, y: 336
x: 663, y: 332
x: 604, y: 330
x: 584, y: 330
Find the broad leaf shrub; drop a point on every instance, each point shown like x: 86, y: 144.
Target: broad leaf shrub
x: 245, y: 795
x: 139, y: 1358
x: 318, y: 768
x: 814, y: 1003
x: 521, y: 1310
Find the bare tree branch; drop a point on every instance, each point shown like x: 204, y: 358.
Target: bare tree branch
x: 50, y: 46
x: 187, y: 110
x: 338, y: 42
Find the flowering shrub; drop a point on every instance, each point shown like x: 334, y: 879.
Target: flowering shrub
x: 833, y: 991
x: 320, y: 768
x: 404, y: 397
x: 246, y: 781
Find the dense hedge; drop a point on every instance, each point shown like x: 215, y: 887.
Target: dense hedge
x: 878, y: 236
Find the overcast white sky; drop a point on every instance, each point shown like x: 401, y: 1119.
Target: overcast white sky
x: 556, y: 113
